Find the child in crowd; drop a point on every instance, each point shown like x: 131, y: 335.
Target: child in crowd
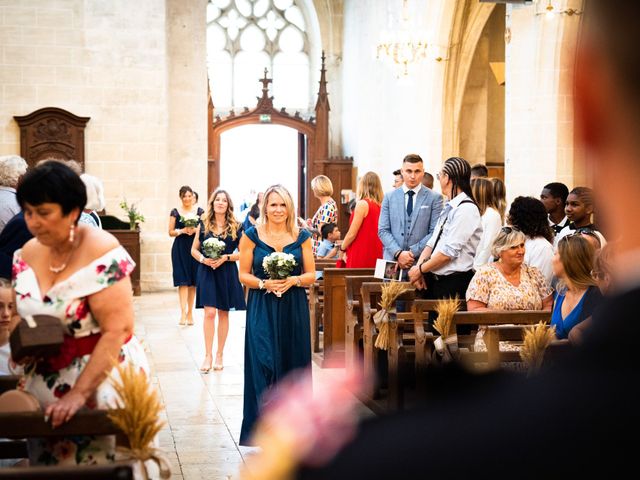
x: 328, y: 247
x: 8, y: 317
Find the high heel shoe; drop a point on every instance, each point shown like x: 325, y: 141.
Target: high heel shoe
x: 218, y: 365
x: 204, y: 368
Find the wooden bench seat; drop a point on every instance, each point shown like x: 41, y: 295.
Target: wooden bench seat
x: 354, y: 348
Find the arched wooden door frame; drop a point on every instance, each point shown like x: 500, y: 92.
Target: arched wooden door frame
x: 315, y: 131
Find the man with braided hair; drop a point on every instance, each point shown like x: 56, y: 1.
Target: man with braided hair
x: 445, y: 266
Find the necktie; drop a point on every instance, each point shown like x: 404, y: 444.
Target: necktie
x: 411, y: 193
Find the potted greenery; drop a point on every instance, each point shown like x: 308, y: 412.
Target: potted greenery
x: 132, y: 212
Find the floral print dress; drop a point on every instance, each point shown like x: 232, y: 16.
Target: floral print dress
x: 327, y: 213
x: 68, y: 300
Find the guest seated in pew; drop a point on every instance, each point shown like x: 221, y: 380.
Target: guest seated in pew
x: 8, y: 319
x: 602, y: 273
x: 509, y: 283
x: 81, y: 275
x: 578, y: 294
x: 330, y: 245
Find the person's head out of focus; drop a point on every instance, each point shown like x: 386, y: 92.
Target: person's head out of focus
x: 554, y: 197
x: 397, y: 178
x: 52, y: 197
x: 607, y: 113
x: 412, y: 170
x: 603, y: 269
x: 479, y: 170
x: 12, y: 168
x: 187, y: 197
x: 427, y: 180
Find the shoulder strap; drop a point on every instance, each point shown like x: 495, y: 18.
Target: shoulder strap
x: 445, y: 221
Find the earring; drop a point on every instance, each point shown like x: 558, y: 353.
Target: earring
x: 72, y: 233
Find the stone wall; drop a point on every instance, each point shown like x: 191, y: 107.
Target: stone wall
x: 139, y: 77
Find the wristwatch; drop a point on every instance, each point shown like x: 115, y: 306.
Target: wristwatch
x: 261, y: 284
x: 228, y: 257
x: 298, y: 282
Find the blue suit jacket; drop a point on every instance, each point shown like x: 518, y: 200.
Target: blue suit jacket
x: 397, y: 231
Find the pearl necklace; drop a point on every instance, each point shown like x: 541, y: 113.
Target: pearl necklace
x: 59, y: 269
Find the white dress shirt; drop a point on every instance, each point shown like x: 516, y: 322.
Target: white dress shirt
x: 460, y: 235
x: 491, y: 225
x: 538, y: 252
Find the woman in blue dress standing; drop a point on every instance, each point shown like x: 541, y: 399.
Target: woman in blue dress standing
x: 218, y: 288
x: 277, y: 338
x: 184, y: 266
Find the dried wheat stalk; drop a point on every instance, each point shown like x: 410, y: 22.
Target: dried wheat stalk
x: 536, y: 341
x: 446, y: 309
x: 390, y: 292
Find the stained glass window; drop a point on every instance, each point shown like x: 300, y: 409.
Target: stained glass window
x: 246, y: 36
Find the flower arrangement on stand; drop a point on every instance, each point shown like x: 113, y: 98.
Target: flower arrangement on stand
x: 278, y: 266
x: 133, y: 213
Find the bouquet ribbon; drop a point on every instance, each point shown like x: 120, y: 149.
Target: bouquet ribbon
x: 380, y: 317
x: 144, y: 454
x: 447, y: 348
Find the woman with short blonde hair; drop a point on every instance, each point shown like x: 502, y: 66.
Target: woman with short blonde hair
x: 361, y: 246
x: 328, y: 210
x: 509, y: 283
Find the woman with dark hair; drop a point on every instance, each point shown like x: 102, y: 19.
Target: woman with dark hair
x: 500, y: 196
x: 218, y: 288
x: 81, y: 275
x: 185, y: 268
x: 578, y: 294
x: 529, y: 215
x: 445, y: 266
x: 482, y: 189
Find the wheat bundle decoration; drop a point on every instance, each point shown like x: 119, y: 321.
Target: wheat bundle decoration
x: 390, y: 292
x: 137, y: 415
x: 536, y: 341
x: 447, y: 343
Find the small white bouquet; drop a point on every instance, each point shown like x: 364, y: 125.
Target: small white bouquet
x: 279, y: 265
x: 213, y: 247
x: 190, y: 220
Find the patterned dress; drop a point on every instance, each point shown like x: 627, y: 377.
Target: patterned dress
x: 489, y: 286
x: 68, y: 300
x: 327, y: 213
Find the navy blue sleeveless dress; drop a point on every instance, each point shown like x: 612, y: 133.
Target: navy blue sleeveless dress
x: 277, y: 336
x: 185, y: 267
x: 220, y: 288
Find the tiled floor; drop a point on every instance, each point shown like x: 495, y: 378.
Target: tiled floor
x: 204, y: 412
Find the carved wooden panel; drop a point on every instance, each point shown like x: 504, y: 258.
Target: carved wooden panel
x: 52, y: 133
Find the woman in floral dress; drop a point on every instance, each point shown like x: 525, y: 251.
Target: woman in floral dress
x: 80, y: 275
x: 328, y: 210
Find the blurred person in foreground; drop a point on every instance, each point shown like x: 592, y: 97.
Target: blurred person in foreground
x: 81, y: 275
x: 573, y: 419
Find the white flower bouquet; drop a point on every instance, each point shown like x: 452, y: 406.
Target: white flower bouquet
x: 279, y: 265
x: 213, y: 247
x: 190, y: 220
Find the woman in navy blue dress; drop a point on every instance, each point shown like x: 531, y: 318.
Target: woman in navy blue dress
x: 277, y: 337
x: 218, y: 288
x: 184, y: 265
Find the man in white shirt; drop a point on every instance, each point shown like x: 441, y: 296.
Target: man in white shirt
x: 554, y: 197
x: 445, y: 266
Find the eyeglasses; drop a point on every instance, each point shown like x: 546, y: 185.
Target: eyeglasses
x: 440, y: 174
x: 508, y: 230
x: 584, y: 231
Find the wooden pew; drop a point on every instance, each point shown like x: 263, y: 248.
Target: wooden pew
x: 115, y: 471
x: 316, y: 303
x: 371, y: 293
x: 333, y: 318
x: 353, y: 319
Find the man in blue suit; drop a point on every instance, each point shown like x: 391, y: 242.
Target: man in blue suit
x: 409, y: 215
